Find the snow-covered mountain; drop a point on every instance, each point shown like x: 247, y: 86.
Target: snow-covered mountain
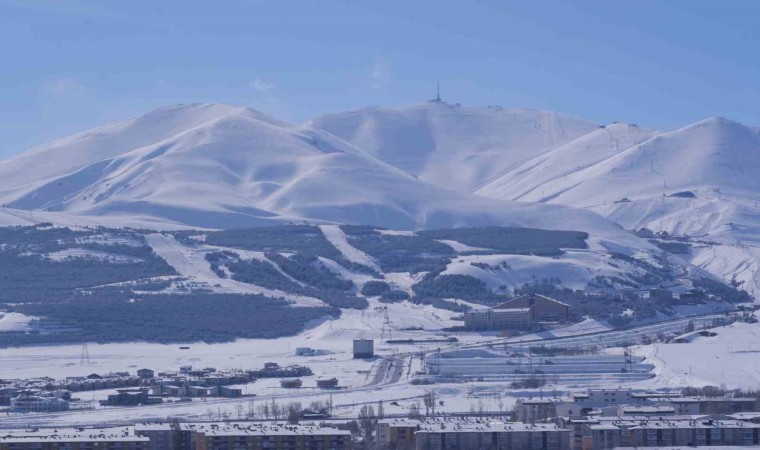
x: 433, y: 165
x: 450, y: 145
x: 700, y: 180
x: 220, y: 166
x: 528, y: 180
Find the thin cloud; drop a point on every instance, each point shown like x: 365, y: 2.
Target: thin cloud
x: 261, y: 85
x: 381, y: 72
x: 64, y: 86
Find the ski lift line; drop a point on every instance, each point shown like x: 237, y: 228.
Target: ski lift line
x: 495, y: 141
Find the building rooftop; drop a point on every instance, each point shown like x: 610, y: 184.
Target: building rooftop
x: 261, y: 429
x: 116, y: 434
x: 637, y: 409
x: 155, y: 426
x: 485, y: 426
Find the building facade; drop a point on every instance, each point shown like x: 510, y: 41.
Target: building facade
x: 521, y: 313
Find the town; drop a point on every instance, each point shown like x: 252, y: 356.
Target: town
x: 592, y: 419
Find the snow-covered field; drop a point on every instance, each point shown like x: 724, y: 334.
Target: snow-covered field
x: 364, y: 380
x: 732, y: 358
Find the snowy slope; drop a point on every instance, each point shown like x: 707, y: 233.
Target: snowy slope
x: 527, y: 180
x: 716, y: 160
x: 714, y: 153
x: 453, y: 146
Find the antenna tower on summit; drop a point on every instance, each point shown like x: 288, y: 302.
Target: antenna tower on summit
x: 437, y: 90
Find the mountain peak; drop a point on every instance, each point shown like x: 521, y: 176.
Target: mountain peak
x: 453, y: 146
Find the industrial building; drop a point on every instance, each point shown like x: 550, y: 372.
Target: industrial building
x: 364, y: 348
x: 520, y: 313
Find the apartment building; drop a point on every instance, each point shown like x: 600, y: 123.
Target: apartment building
x: 118, y: 438
x: 486, y: 434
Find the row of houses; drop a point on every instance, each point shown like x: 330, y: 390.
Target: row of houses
x: 146, y: 387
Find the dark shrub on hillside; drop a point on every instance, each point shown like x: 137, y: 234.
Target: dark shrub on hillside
x: 375, y: 288
x: 521, y: 241
x: 394, y: 296
x: 464, y: 287
x: 169, y: 318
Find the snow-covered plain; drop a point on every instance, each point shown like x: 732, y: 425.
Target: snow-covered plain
x: 731, y: 359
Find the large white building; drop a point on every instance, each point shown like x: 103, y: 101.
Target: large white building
x: 29, y: 402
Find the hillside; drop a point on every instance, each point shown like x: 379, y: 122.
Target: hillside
x: 450, y: 145
x: 698, y: 181
x: 114, y: 285
x: 527, y: 181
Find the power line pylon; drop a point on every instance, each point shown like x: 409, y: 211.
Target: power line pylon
x: 85, y: 358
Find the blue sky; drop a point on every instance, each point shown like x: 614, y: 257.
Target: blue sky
x: 69, y: 66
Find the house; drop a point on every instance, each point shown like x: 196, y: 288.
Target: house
x: 131, y: 397
x: 330, y: 383
x: 145, y: 373
x: 693, y: 296
x: 226, y: 391
x: 291, y: 383
x: 645, y: 233
x: 531, y: 410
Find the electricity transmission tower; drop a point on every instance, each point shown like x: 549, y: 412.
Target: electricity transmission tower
x: 85, y: 358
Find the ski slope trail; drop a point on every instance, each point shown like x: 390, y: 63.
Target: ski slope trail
x: 338, y: 239
x: 192, y: 264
